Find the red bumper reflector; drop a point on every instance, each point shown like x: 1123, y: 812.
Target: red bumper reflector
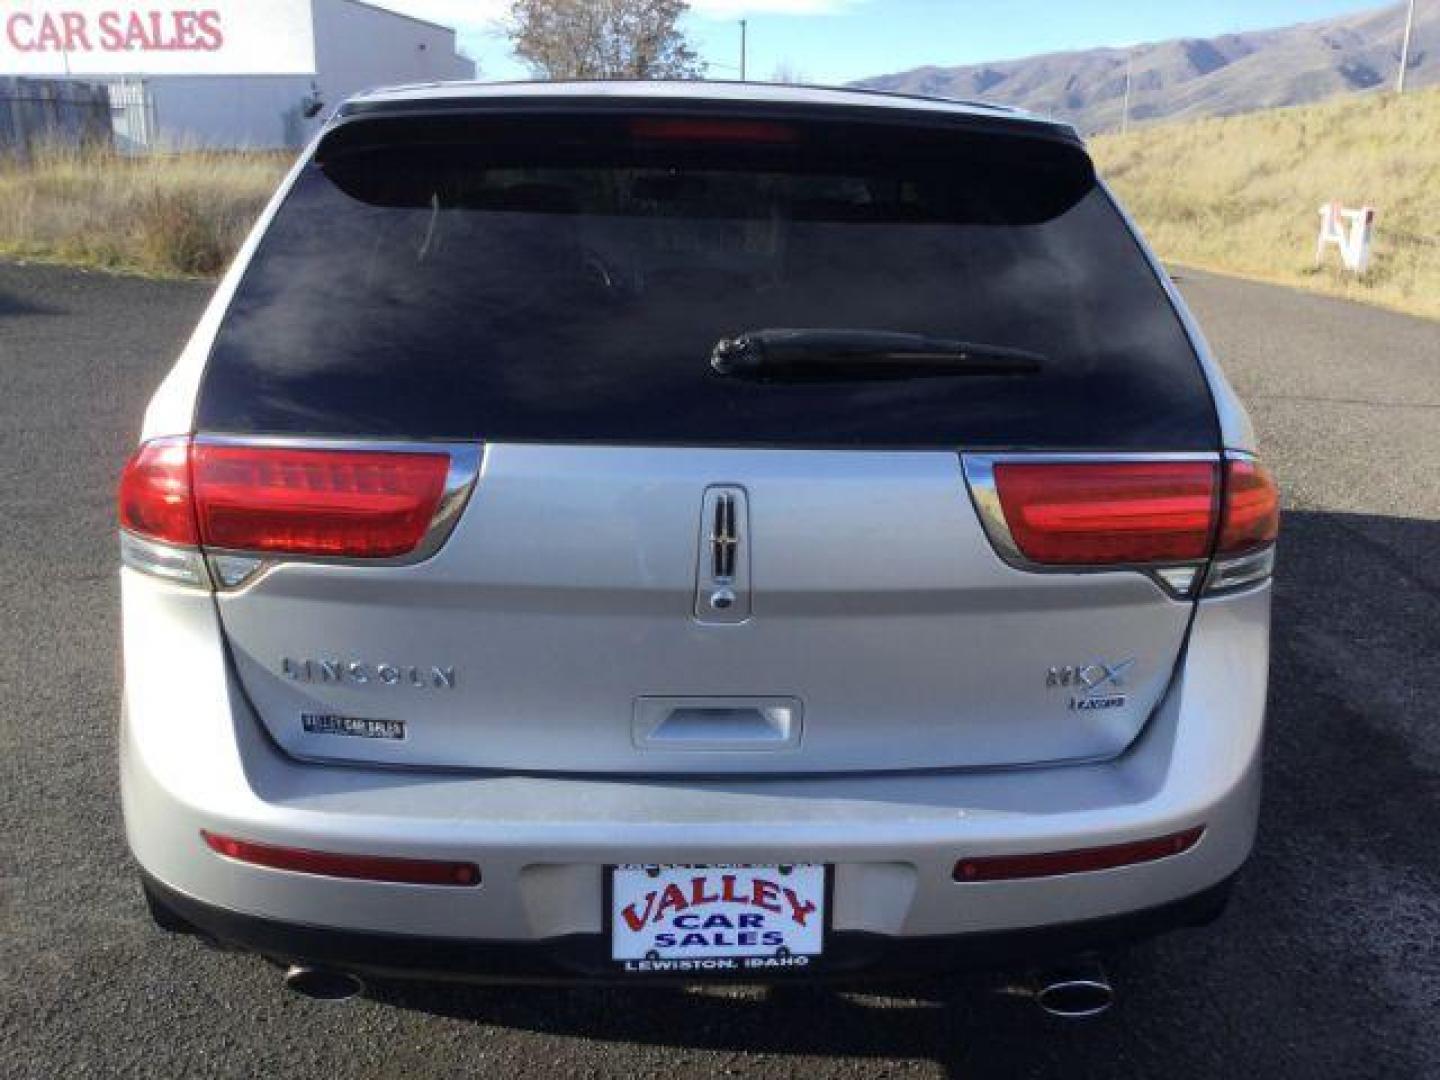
x: 351, y: 503
x: 1047, y: 864
x: 1099, y: 513
x: 361, y: 867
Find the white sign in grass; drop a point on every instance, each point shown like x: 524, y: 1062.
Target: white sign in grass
x: 1347, y: 230
x: 156, y: 37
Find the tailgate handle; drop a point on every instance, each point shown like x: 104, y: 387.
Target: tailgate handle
x: 744, y: 724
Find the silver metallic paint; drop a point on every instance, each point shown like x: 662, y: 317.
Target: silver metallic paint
x: 193, y: 756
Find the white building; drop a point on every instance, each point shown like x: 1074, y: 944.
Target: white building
x: 241, y: 73
x: 357, y: 46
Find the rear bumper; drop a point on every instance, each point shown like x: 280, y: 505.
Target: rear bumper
x: 195, y: 758
x: 584, y: 957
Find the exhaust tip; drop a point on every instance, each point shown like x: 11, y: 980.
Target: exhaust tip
x: 1075, y: 999
x: 323, y: 984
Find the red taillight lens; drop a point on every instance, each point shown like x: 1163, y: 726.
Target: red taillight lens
x: 353, y: 503
x: 154, y: 494
x: 688, y: 129
x: 1251, y: 517
x: 329, y: 864
x: 1083, y: 513
x: 1046, y: 864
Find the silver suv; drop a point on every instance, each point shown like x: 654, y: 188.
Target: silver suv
x: 642, y: 530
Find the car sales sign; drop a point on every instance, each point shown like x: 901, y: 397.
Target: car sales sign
x: 716, y: 918
x: 156, y: 37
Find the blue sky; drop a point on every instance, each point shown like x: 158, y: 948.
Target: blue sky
x: 833, y: 41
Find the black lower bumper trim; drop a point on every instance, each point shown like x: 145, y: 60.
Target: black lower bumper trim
x: 585, y: 957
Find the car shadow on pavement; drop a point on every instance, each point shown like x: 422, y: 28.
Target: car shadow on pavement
x: 944, y: 1021
x: 1326, y: 963
x: 11, y: 305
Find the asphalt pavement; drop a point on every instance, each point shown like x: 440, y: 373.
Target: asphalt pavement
x: 1327, y: 965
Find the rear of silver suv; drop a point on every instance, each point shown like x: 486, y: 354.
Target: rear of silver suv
x: 620, y: 530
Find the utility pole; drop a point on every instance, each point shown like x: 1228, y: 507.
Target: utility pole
x: 1405, y: 49
x: 1125, y: 106
x: 744, y: 27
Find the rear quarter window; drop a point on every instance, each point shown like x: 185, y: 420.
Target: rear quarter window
x: 565, y: 280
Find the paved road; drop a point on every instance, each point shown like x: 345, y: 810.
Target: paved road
x: 1327, y: 966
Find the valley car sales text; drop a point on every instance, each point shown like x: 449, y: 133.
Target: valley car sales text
x: 692, y: 918
x: 118, y: 30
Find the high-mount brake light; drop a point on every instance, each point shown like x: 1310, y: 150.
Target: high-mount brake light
x: 328, y: 502
x: 703, y: 130
x: 331, y: 864
x: 1251, y: 517
x: 1109, y: 512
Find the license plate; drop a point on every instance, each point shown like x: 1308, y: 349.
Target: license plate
x: 716, y: 918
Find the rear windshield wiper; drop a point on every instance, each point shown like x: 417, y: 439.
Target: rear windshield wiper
x: 794, y: 355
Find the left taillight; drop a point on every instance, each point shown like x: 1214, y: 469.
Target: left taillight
x: 156, y: 507
x: 358, y: 504
x: 155, y: 494
x: 178, y: 496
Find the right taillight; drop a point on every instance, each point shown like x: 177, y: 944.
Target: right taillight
x: 1108, y: 512
x: 1169, y: 517
x: 1250, y: 518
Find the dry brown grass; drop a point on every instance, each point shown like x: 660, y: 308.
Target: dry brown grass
x: 1238, y: 194
x: 1242, y: 194
x: 180, y: 214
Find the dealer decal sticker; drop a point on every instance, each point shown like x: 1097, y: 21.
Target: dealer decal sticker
x: 354, y: 726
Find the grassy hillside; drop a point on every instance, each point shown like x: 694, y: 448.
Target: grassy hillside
x: 1242, y: 194
x: 171, y: 214
x: 1194, y: 77
x: 1238, y: 195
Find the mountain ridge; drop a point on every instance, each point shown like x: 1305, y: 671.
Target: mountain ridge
x: 1190, y: 77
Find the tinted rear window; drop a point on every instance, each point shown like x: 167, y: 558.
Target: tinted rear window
x: 548, y: 280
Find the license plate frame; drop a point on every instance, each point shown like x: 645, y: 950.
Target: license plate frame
x: 814, y: 885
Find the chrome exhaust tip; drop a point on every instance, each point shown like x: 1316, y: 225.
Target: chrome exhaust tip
x: 1078, y: 991
x: 323, y: 984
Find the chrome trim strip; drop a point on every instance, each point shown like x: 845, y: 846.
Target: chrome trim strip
x: 980, y: 475
x: 465, y: 462
x: 980, y: 479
